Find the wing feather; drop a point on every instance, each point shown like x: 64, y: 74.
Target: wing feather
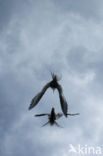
x: 37, y: 115
x: 37, y: 98
x: 73, y: 114
x: 63, y: 101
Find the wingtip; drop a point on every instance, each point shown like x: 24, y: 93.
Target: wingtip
x: 29, y: 108
x: 66, y: 115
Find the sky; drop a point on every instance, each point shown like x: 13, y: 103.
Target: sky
x: 42, y: 36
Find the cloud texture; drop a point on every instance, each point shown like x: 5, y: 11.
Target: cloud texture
x: 37, y: 37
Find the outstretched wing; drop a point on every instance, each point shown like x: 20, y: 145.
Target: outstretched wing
x: 37, y: 115
x: 63, y: 101
x: 59, y: 115
x: 73, y: 114
x: 37, y: 98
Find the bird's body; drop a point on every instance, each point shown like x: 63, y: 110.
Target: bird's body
x: 54, y: 85
x: 53, y: 117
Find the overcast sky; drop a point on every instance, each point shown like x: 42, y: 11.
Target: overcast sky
x: 39, y: 36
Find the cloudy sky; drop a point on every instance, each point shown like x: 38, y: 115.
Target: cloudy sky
x: 39, y: 36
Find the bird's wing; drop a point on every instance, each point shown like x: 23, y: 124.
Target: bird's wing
x: 57, y: 124
x: 37, y: 115
x: 72, y: 114
x: 59, y: 115
x: 37, y: 98
x: 46, y: 124
x: 63, y: 101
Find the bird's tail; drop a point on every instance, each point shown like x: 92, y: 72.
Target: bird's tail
x: 53, y: 124
x: 46, y: 124
x: 57, y: 124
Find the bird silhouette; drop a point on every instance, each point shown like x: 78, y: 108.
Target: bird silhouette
x: 54, y: 85
x: 53, y: 116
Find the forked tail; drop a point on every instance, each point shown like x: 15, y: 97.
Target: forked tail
x: 46, y: 124
x: 55, y: 123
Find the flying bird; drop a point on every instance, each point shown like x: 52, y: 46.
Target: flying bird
x: 53, y: 117
x: 54, y: 85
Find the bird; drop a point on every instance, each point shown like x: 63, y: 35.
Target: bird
x: 52, y: 116
x: 53, y: 85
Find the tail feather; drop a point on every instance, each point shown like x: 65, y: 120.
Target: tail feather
x: 57, y: 124
x: 46, y: 124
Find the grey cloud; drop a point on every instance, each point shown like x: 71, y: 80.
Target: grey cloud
x: 38, y: 37
x: 77, y: 59
x: 87, y: 9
